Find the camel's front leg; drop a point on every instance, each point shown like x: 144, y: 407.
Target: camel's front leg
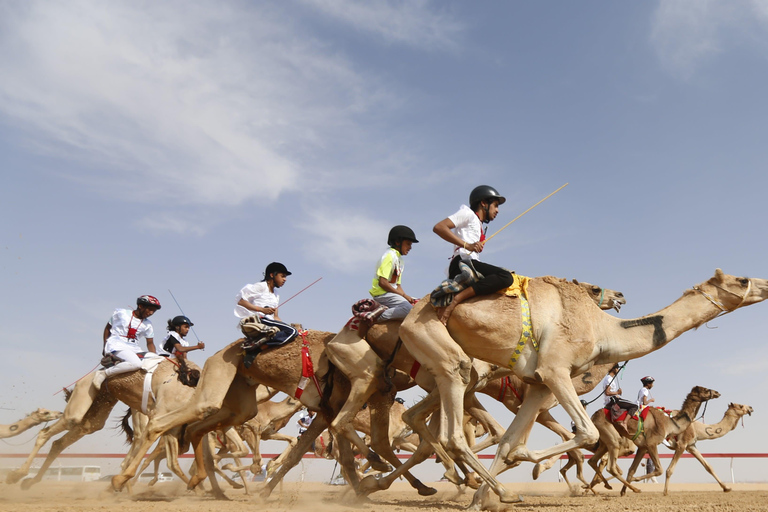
x: 695, y: 452
x: 295, y: 454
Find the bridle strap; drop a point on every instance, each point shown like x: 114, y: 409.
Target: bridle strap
x: 719, y: 305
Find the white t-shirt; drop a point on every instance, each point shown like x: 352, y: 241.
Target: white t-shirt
x: 122, y: 321
x: 643, y: 393
x: 468, y: 228
x: 259, y: 295
x: 176, y: 339
x: 612, y: 387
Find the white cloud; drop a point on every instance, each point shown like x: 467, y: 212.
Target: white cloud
x: 220, y: 105
x: 343, y: 239
x: 687, y: 33
x: 420, y: 23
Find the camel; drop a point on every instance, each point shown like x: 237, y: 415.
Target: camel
x: 30, y: 420
x: 88, y: 409
x: 646, y: 434
x: 382, y: 338
x: 572, y: 336
x: 227, y: 376
x: 224, y: 398
x: 699, y: 431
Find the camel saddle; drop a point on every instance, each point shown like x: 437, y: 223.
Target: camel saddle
x: 109, y: 360
x: 618, y: 412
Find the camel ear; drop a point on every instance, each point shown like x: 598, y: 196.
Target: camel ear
x: 575, y: 281
x: 719, y: 274
x: 730, y: 404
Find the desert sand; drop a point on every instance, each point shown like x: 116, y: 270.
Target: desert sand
x: 319, y: 497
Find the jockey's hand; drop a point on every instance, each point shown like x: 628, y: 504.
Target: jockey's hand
x: 476, y: 247
x: 201, y: 345
x: 268, y: 311
x: 409, y: 298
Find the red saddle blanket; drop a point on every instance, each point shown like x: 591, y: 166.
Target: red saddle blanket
x: 623, y: 416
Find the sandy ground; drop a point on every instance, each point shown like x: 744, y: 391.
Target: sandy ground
x: 319, y: 497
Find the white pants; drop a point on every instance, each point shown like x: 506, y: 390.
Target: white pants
x: 130, y: 362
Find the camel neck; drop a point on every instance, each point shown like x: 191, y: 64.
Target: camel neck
x: 719, y: 429
x: 629, y: 339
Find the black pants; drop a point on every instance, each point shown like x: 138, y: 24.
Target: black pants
x: 494, y: 278
x: 286, y: 334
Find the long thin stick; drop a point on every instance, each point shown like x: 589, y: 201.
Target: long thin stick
x: 292, y: 296
x: 182, y: 312
x: 526, y: 211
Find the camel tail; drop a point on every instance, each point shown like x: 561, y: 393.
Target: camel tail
x: 325, y: 399
x: 67, y: 394
x: 126, y: 427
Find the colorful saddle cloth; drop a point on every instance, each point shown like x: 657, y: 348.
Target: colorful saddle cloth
x: 442, y: 296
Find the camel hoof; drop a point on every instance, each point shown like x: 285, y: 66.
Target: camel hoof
x: 427, y: 491
x: 370, y: 484
x: 536, y: 471
x: 515, y: 498
x: 727, y: 489
x: 14, y: 476
x: 472, y: 481
x: 118, y: 481
x: 27, y: 483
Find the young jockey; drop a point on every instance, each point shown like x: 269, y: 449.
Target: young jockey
x: 260, y: 298
x: 121, y: 337
x: 174, y: 342
x: 644, y: 397
x: 464, y: 229
x: 387, y: 288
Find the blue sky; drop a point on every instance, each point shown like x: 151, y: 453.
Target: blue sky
x: 180, y: 147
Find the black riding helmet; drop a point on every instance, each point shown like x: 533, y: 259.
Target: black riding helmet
x: 482, y: 193
x: 181, y: 320
x: 275, y: 268
x: 399, y: 233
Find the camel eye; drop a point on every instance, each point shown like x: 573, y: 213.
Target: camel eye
x: 595, y: 290
x: 744, y: 281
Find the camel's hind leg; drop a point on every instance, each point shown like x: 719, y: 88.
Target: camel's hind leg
x: 355, y: 358
x: 380, y: 405
x: 93, y: 421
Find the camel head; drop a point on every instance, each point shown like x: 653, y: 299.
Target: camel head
x: 605, y: 298
x: 702, y: 394
x: 741, y: 410
x: 729, y: 292
x: 43, y: 415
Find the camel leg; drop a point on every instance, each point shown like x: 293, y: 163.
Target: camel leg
x: 355, y: 358
x: 171, y: 442
x: 295, y: 454
x: 221, y: 370
x: 83, y: 396
x: 380, y: 409
x: 238, y: 406
x: 155, y: 456
x: 240, y: 450
x: 93, y: 421
x: 641, y: 451
x: 695, y: 452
